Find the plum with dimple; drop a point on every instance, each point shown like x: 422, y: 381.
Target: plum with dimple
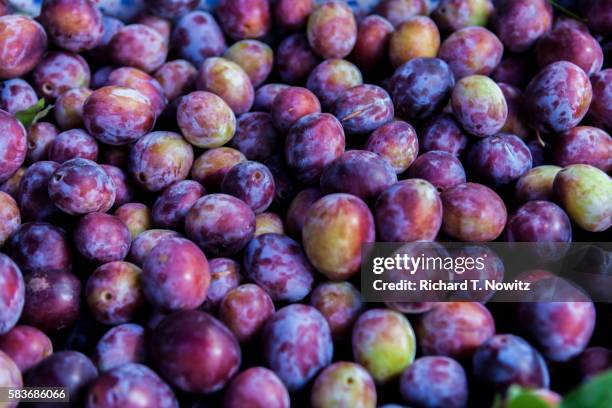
x: 251, y: 182
x: 343, y: 384
x: 59, y: 72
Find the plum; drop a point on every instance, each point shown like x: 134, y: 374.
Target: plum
x: 421, y: 87
x: 331, y: 79
x: 75, y: 25
x: 442, y: 132
x: 471, y: 51
x: 210, y: 168
x: 144, y: 83
x: 138, y: 46
x: 452, y: 15
x: 584, y: 145
x: 174, y: 202
x: 16, y: 95
x: 343, y: 383
x: 506, y: 359
x: 11, y: 185
x: 479, y: 105
x: 520, y: 23
x: 13, y: 145
x: 144, y: 242
x: 601, y: 105
x: 296, y: 213
x: 499, y: 160
x: 120, y: 345
x: 205, y: 119
x: 383, y: 342
x: 69, y: 108
x: 435, y: 382
x: 129, y: 385
x: 539, y: 221
x: 332, y: 30
x: 585, y: 193
x: 124, y: 193
x: 291, y: 15
x: 410, y: 210
x: 23, y: 42
x: 334, y: 230
x: 255, y: 57
x: 242, y: 19
x: 59, y: 72
x: 220, y: 224
x: 372, y: 46
x: 265, y: 95
x: 557, y: 98
x: 515, y: 122
x: 175, y: 275
x: 441, y: 169
x: 398, y: 11
x: 224, y: 276
x: 340, y: 304
x: 159, y: 159
x: 416, y: 37
x: 13, y: 293
x: 455, y: 329
x: 81, y: 186
x: 136, y: 216
x: 292, y: 104
x: 396, y: 142
x: 537, y: 184
x: 26, y: 346
x: 277, y: 264
x: 363, y: 108
x: 11, y: 376
x: 72, y: 144
x: 38, y: 247
x: 297, y: 344
x: 195, y: 352
x: 256, y: 137
x: 102, y: 238
x: 172, y: 8
x: 312, y: 143
x: 268, y: 222
x: 114, y: 293
x: 40, y: 138
x: 10, y: 217
x: 176, y: 78
x: 229, y: 81
x: 295, y: 59
x: 52, y: 300
x: 245, y: 309
x: 251, y: 182
x: 473, y: 212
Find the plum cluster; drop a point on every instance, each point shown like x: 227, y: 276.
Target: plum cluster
x: 184, y: 226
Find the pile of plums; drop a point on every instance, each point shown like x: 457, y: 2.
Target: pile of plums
x: 184, y: 226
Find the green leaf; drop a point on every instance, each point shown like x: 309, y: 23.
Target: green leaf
x: 567, y: 12
x: 518, y: 397
x: 597, y: 393
x: 34, y: 113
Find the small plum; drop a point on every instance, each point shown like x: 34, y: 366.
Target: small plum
x: 251, y: 182
x: 292, y: 15
x: 332, y: 30
x: 144, y: 83
x: 255, y: 57
x: 331, y: 78
x: 452, y: 15
x: 144, y: 242
x: 176, y: 78
x: 122, y: 344
x: 75, y: 25
x: 471, y: 51
x: 13, y: 294
x: 340, y: 304
x: 363, y: 108
x: 256, y: 387
x: 72, y: 144
x: 292, y: 104
x: 520, y: 23
x: 372, y: 45
x: 16, y: 95
x: 441, y: 169
x: 268, y: 222
x: 38, y: 247
x: 416, y: 37
x: 59, y: 72
x: 26, y: 346
x: 227, y: 80
x: 102, y: 238
x: 205, y: 119
x: 265, y: 95
x: 197, y: 36
x: 124, y: 193
x: 442, y: 132
x: 136, y: 216
x: 174, y: 202
x: 138, y: 46
x: 256, y: 137
x: 499, y: 160
x: 40, y: 138
x: 295, y: 59
x: 398, y: 11
x: 68, y: 110
x: 245, y: 309
x: 23, y: 43
x: 13, y: 145
x: 343, y: 384
x: 537, y: 184
x: 10, y: 217
x: 243, y: 19
x: 210, y: 168
x: 224, y: 276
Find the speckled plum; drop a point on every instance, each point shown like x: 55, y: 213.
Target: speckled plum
x: 410, y: 210
x: 372, y: 46
x: 40, y: 137
x: 159, y: 159
x: 144, y: 83
x: 251, y: 182
x: 10, y: 217
x: 75, y: 25
x: 343, y: 384
x: 138, y: 46
x: 396, y: 142
x: 22, y: 44
x: 144, y: 242
x: 601, y: 105
x: 205, y: 119
x: 256, y: 387
x: 102, y: 237
x: 557, y: 98
x: 170, y: 208
x: 383, y: 342
x: 13, y: 294
x: 58, y: 72
x: 421, y: 87
x: 13, y: 145
x: 210, y: 168
x: 334, y: 230
x: 479, y: 105
x: 297, y: 344
x: 292, y: 104
x: 295, y: 59
x: 130, y: 385
x: 255, y: 58
x: 585, y: 193
x: 26, y: 346
x: 358, y: 172
x: 441, y: 169
x: 38, y: 246
x: 455, y: 329
x: 291, y: 15
x: 229, y: 81
x: 435, y: 382
x: 136, y: 216
x: 122, y: 344
x: 114, y: 293
x: 10, y: 376
x: 277, y: 264
x: 195, y: 352
x: 81, y: 186
x: 331, y: 79
x: 176, y: 78
x: 519, y: 24
x: 472, y: 50
x: 537, y: 184
x: 175, y: 275
x: 52, y: 299
x: 332, y: 30
x: 72, y: 144
x: 245, y: 309
x: 416, y: 37
x: 340, y: 304
x: 442, y: 132
x: 499, y: 160
x: 363, y: 108
x: 568, y: 43
x: 116, y: 115
x: 452, y: 15
x: 242, y: 19
x: 538, y: 221
x: 584, y: 145
x: 265, y: 95
x: 507, y: 359
x: 68, y: 110
x: 473, y: 212
x: 16, y: 95
x: 197, y: 36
